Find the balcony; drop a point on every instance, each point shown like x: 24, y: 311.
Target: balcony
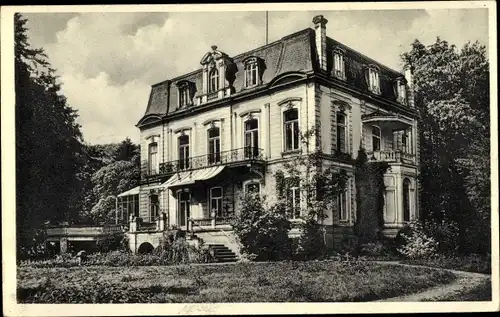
x: 235, y: 157
x: 391, y: 157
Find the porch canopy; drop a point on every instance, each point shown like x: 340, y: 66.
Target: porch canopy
x: 386, y: 121
x: 133, y: 191
x: 190, y: 177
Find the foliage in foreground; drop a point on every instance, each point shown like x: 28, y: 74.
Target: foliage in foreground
x: 244, y: 282
x: 262, y: 230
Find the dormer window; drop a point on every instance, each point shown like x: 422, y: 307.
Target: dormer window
x: 400, y: 90
x: 338, y: 63
x: 373, y: 79
x: 186, y: 92
x: 213, y: 80
x: 251, y: 72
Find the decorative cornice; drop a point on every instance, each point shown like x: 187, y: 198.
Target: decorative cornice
x: 246, y: 112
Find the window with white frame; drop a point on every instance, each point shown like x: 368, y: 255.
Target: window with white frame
x: 251, y: 138
x: 373, y: 80
x: 183, y: 96
x: 154, y: 207
x: 216, y: 196
x: 376, y: 136
x: 401, y: 91
x: 338, y: 63
x: 153, y: 158
x: 405, y: 140
x: 291, y: 129
x: 341, y: 132
x: 342, y: 205
x: 251, y: 72
x: 213, y: 80
x: 214, y: 145
x: 292, y: 198
x: 184, y: 152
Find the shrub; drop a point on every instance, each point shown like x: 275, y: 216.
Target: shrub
x: 118, y: 242
x: 310, y: 244
x: 416, y: 242
x: 262, y: 231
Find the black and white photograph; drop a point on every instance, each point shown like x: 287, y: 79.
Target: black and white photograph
x: 248, y: 158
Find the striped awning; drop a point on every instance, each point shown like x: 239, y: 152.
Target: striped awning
x: 136, y: 190
x: 190, y: 177
x: 133, y: 191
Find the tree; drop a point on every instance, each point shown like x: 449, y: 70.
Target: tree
x: 49, y: 149
x: 319, y: 186
x: 451, y: 90
x: 127, y: 151
x: 108, y: 182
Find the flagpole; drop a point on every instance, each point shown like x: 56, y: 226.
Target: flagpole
x: 267, y: 27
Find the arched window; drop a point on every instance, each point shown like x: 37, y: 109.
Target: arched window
x: 338, y: 63
x: 341, y: 132
x: 406, y: 199
x: 291, y: 127
x: 213, y: 145
x: 251, y: 138
x: 213, y: 80
x: 183, y: 152
x: 376, y: 138
x: 152, y: 158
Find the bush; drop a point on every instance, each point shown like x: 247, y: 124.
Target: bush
x: 416, y: 242
x: 310, y: 244
x: 421, y: 239
x: 262, y: 231
x: 118, y: 242
x: 173, y: 248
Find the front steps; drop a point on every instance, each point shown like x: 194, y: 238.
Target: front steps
x: 223, y: 253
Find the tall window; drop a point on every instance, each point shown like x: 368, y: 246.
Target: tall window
x: 376, y: 138
x: 406, y: 199
x: 154, y: 207
x: 338, y: 64
x: 216, y: 201
x: 373, y: 80
x: 291, y: 127
x: 213, y: 80
x: 341, y: 132
x: 251, y: 73
x: 153, y: 158
x: 342, y: 206
x: 183, y: 96
x: 251, y: 138
x: 213, y: 145
x: 293, y: 198
x: 183, y: 152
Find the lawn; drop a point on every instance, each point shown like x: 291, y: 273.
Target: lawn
x: 322, y: 281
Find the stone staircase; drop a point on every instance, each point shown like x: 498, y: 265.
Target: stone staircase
x: 223, y: 253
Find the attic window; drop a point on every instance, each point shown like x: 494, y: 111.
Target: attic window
x: 185, y: 93
x: 373, y: 79
x: 400, y: 90
x: 251, y: 72
x: 338, y: 63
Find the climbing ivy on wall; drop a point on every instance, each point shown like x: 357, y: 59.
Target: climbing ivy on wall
x: 370, y: 190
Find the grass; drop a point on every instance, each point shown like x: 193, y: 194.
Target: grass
x: 321, y: 281
x: 471, y: 263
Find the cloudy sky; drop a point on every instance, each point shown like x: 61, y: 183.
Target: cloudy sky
x: 108, y: 61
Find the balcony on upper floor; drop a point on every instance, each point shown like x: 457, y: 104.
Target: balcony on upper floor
x: 389, y: 138
x: 231, y: 158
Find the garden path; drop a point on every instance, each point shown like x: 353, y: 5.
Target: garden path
x: 465, y: 282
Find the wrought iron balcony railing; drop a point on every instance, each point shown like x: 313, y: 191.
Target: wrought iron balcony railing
x: 247, y: 154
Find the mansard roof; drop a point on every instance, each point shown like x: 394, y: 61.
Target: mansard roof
x: 292, y: 54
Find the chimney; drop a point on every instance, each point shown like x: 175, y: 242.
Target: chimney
x: 320, y: 27
x: 409, y: 82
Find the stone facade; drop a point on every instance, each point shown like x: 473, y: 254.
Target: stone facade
x: 296, y: 72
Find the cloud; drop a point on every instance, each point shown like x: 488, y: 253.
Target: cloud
x: 108, y: 61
